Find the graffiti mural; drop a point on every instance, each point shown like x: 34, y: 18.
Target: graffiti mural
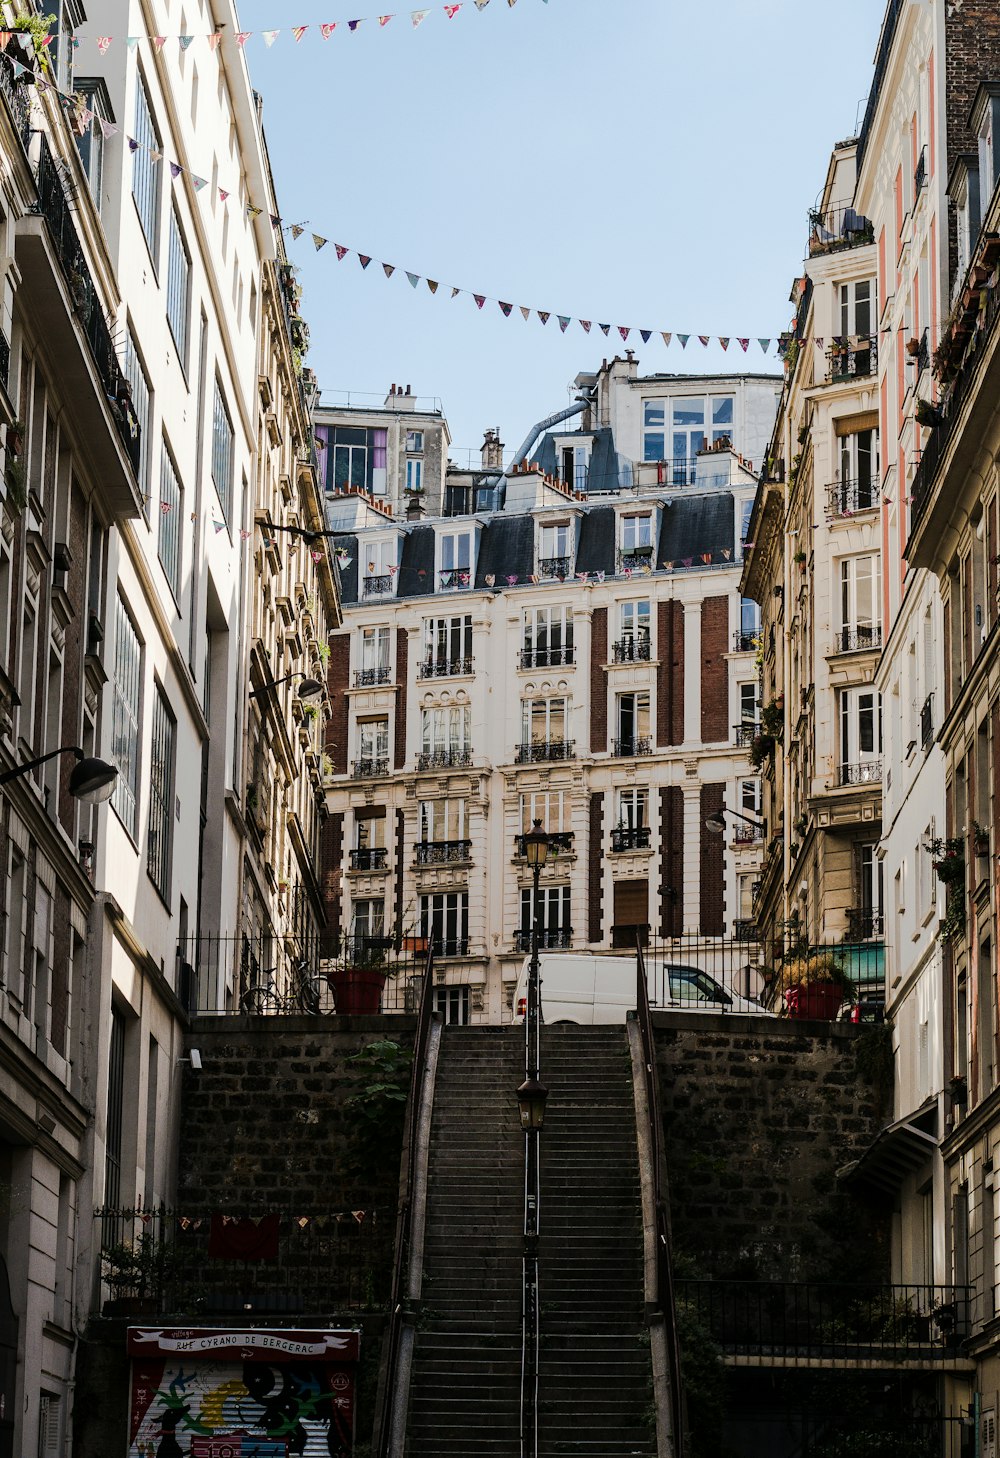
x: 208, y: 1393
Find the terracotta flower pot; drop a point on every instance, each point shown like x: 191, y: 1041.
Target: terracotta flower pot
x: 357, y: 990
x: 816, y: 1000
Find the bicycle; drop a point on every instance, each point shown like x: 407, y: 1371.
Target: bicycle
x: 305, y: 993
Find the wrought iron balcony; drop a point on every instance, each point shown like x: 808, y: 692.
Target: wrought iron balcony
x: 924, y: 353
x: 454, y: 577
x: 854, y: 358
x: 16, y: 95
x: 442, y: 852
x: 631, y: 649
x: 745, y: 733
x: 559, y: 840
x: 538, y: 752
x: 847, y: 498
x: 864, y: 924
x: 920, y: 174
x: 869, y: 772
x: 4, y: 361
x: 371, y: 768
x: 745, y: 642
x: 631, y: 558
x: 927, y: 722
x: 630, y: 748
x: 445, y: 667
x: 450, y: 946
x: 444, y: 759
x: 559, y: 567
x: 630, y: 838
x: 832, y: 229
x: 550, y: 939
x: 547, y: 657
x: 744, y: 834
x: 369, y: 677
x: 745, y: 930
x: 858, y: 640
x: 369, y: 858
x: 378, y: 585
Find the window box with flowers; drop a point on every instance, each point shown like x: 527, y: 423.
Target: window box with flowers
x: 772, y: 717
x: 761, y: 749
x: 812, y: 985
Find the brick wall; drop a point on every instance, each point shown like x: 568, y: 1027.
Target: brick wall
x: 598, y: 681
x: 670, y: 673
x: 713, y: 900
x: 402, y: 654
x: 672, y: 861
x: 595, y: 869
x: 759, y: 1114
x: 714, y: 669
x: 338, y: 681
x: 972, y: 54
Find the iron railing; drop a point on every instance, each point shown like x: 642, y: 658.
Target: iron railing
x: 443, y: 946
x: 865, y: 924
x: 631, y: 558
x: 920, y: 172
x: 832, y: 229
x: 923, y: 353
x: 744, y: 734
x: 629, y: 838
x: 16, y: 94
x: 927, y: 721
x: 559, y: 841
x: 379, y: 584
x: 445, y: 667
x: 539, y: 752
x: 547, y: 657
x: 631, y: 649
x: 631, y: 748
x: 4, y: 360
x: 559, y: 567
x: 745, y: 642
x: 189, y: 1260
x: 550, y: 939
x: 369, y: 677
x: 54, y: 207
x: 858, y: 639
x: 779, y: 1320
x: 442, y: 852
x: 744, y: 834
x: 370, y: 858
x: 854, y: 358
x: 847, y: 498
x: 444, y: 759
x: 745, y: 930
x: 868, y: 772
x: 370, y: 768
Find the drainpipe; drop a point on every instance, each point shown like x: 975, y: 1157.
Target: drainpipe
x: 529, y: 441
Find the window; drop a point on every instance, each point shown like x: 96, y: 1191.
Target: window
x: 92, y: 97
x: 125, y: 717
x: 722, y: 417
x: 744, y: 895
x: 632, y: 718
x: 548, y: 806
x: 860, y: 736
x: 447, y: 645
x: 447, y: 732
x: 444, y: 918
x: 654, y: 430
x: 452, y: 1003
x: 633, y: 809
x: 139, y: 384
x: 554, y: 549
x: 379, y: 568
x: 869, y: 870
x: 17, y: 919
x: 544, y: 721
x: 373, y: 741
x: 169, y: 533
x: 114, y: 1131
x: 859, y: 471
x: 749, y: 618
x: 178, y: 288
x: 222, y: 451
x: 687, y: 439
x: 357, y: 457
x: 746, y: 513
x: 442, y: 820
x: 548, y: 637
x: 634, y: 622
x: 161, y: 795
x: 554, y: 929
x: 414, y: 475
x: 367, y: 919
x: 859, y: 603
x: 146, y: 170
x: 455, y: 556
x: 750, y: 797
x: 374, y: 655
x: 856, y: 311
x: 369, y: 831
x: 637, y: 533
x: 414, y: 440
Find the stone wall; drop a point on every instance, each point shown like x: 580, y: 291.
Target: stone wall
x: 759, y: 1114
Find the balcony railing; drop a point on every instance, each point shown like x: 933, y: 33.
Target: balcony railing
x: 745, y: 930
x: 454, y: 577
x: 630, y: 748
x: 855, y: 358
x: 927, y: 721
x: 559, y: 840
x: 832, y: 229
x: 847, y: 498
x: 747, y: 834
x: 559, y: 567
x: 369, y: 677
x: 920, y: 173
x: 630, y: 559
x: 444, y: 759
x: 378, y: 585
x: 631, y: 649
x: 369, y: 858
x: 745, y: 733
x: 55, y: 209
x: 4, y: 361
x: 371, y: 768
x: 550, y: 939
x: 450, y: 946
x: 864, y: 924
x: 630, y: 838
x: 547, y: 657
x: 445, y: 667
x: 538, y: 753
x: 858, y: 640
x: 869, y: 772
x: 924, y: 353
x: 745, y: 642
x: 778, y: 1320
x: 16, y: 95
x: 442, y: 852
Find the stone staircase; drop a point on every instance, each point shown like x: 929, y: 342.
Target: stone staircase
x: 595, y: 1386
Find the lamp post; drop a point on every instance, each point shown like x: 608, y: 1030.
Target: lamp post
x: 309, y: 688
x: 717, y: 823
x: 531, y: 1098
x: 92, y: 780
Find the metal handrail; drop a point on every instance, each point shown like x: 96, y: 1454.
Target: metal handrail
x: 383, y: 1424
x: 664, y: 1260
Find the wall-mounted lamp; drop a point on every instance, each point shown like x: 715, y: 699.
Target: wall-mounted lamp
x: 92, y: 780
x: 194, y: 1060
x: 309, y: 688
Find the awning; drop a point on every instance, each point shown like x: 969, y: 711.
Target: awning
x: 896, y: 1151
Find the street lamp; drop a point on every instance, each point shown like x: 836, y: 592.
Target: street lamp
x: 309, y: 688
x: 717, y: 823
x: 92, y: 780
x: 531, y: 1098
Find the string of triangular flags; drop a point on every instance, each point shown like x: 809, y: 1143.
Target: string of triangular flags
x: 302, y: 1222
x: 696, y: 560
x: 323, y: 31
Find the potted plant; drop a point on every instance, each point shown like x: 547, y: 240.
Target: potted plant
x: 947, y: 858
x: 761, y: 748
x: 981, y: 838
x: 812, y: 985
x: 913, y: 347
x: 801, y: 559
x: 14, y: 476
x: 928, y: 414
x: 15, y: 438
x: 137, y: 1273
x: 357, y: 978
x: 958, y: 1088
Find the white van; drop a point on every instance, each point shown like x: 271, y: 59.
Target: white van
x: 582, y: 988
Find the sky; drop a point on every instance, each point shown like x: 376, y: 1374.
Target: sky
x: 640, y: 162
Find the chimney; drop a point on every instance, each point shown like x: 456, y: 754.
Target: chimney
x: 492, y: 450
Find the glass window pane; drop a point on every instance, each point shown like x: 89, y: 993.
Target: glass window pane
x: 722, y: 410
x: 653, y: 412
x: 689, y: 412
x: 653, y: 446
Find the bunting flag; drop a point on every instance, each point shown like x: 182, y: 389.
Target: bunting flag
x: 298, y: 31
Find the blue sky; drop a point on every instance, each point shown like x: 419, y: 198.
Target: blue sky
x: 642, y: 162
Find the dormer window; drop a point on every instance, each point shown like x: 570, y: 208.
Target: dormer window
x: 636, y: 542
x: 555, y: 553
x: 379, y: 561
x: 963, y: 189
x: 455, y: 561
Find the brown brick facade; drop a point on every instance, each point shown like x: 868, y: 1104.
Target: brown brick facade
x: 714, y: 670
x: 670, y: 674
x: 599, y: 681
x: 402, y: 658
x: 713, y: 896
x: 972, y: 54
x: 595, y: 871
x: 671, y: 861
x: 337, y: 680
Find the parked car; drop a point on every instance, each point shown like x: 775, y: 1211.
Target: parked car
x: 578, y: 988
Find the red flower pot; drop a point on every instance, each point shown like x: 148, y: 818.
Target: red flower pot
x: 817, y: 1000
x: 357, y: 990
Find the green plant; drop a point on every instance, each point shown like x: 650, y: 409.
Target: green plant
x: 928, y: 414
x: 948, y: 857
x: 380, y: 1080
x: 139, y: 1269
x: 39, y: 28
x: 772, y: 717
x: 14, y: 476
x: 761, y: 748
x: 953, y: 921
x: 806, y: 969
x: 800, y: 557
x: 323, y: 651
